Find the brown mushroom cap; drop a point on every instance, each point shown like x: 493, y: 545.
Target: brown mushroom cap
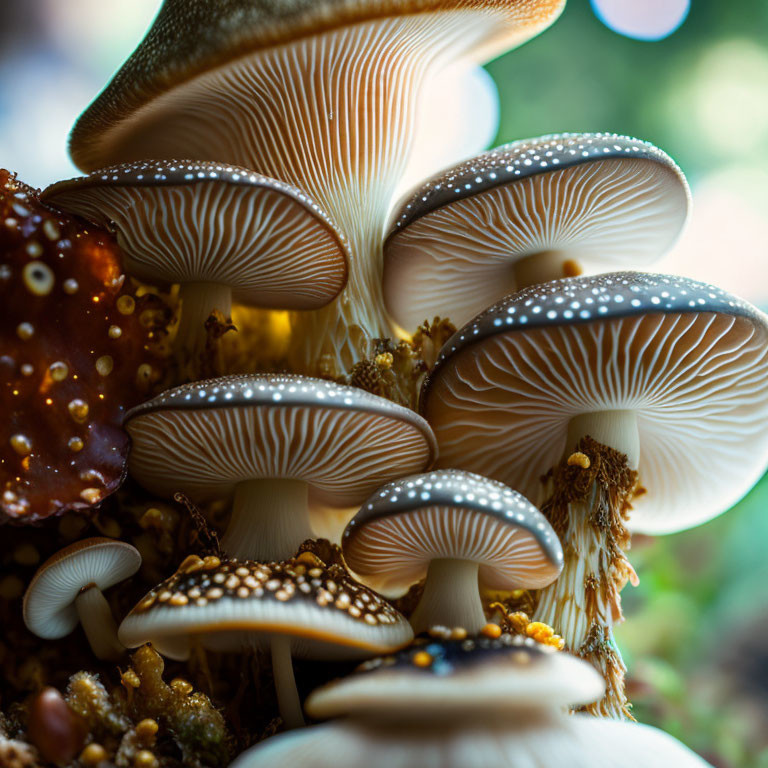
x: 73, y: 359
x: 238, y: 604
x: 528, y: 212
x: 184, y: 221
x: 192, y: 37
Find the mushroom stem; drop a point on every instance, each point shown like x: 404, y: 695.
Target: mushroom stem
x: 616, y: 429
x: 451, y: 597
x: 584, y: 603
x: 541, y: 267
x: 99, y: 624
x: 285, y: 683
x: 270, y: 520
x: 198, y: 301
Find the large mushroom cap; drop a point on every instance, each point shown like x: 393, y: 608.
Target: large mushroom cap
x: 581, y: 741
x: 456, y: 515
x: 206, y: 437
x: 448, y: 678
x: 233, y: 605
x: 183, y: 221
x: 49, y: 603
x: 687, y: 360
x: 190, y: 39
x: 460, y: 241
x: 73, y: 359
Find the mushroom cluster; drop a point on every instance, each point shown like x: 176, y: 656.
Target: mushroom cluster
x: 569, y: 409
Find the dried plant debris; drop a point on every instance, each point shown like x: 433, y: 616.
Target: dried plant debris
x: 597, y: 480
x: 396, y: 371
x: 76, y: 353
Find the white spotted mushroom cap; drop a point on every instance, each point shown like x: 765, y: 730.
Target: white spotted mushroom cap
x: 183, y: 221
x: 49, y: 602
x: 688, y: 359
x: 604, y: 200
x: 451, y: 514
x: 196, y: 49
x: 233, y: 605
x: 206, y: 437
x: 476, y: 677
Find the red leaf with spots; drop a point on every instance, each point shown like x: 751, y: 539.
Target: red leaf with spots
x: 73, y: 359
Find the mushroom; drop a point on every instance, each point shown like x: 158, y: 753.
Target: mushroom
x: 219, y: 231
x: 602, y: 384
x: 73, y: 358
x: 528, y: 212
x: 451, y: 527
x: 68, y: 588
x: 301, y: 606
x: 323, y: 94
x: 467, y: 704
x: 278, y: 444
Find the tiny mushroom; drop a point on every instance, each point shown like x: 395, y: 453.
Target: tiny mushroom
x: 68, y: 588
x: 528, y: 212
x: 467, y: 704
x: 221, y: 231
x: 451, y: 527
x: 301, y: 606
x: 604, y: 386
x: 282, y: 445
x: 323, y: 94
x: 73, y: 359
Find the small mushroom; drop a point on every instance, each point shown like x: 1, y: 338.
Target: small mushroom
x: 281, y: 446
x: 221, y: 231
x: 605, y: 385
x: 452, y: 679
x: 528, y: 212
x: 451, y: 527
x: 68, y: 588
x: 301, y: 606
x: 322, y: 94
x: 467, y: 704
x: 73, y: 359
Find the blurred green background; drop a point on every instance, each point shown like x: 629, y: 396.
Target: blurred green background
x: 696, y: 636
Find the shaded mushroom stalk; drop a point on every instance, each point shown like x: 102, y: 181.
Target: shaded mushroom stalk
x: 270, y: 519
x: 288, y: 700
x: 198, y: 302
x: 451, y: 597
x: 98, y: 623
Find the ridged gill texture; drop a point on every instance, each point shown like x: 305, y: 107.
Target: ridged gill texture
x: 206, y: 437
x: 500, y: 404
x: 597, y: 200
x: 334, y: 114
x: 49, y: 603
x: 211, y: 223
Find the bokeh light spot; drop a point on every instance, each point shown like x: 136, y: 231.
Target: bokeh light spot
x: 642, y: 19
